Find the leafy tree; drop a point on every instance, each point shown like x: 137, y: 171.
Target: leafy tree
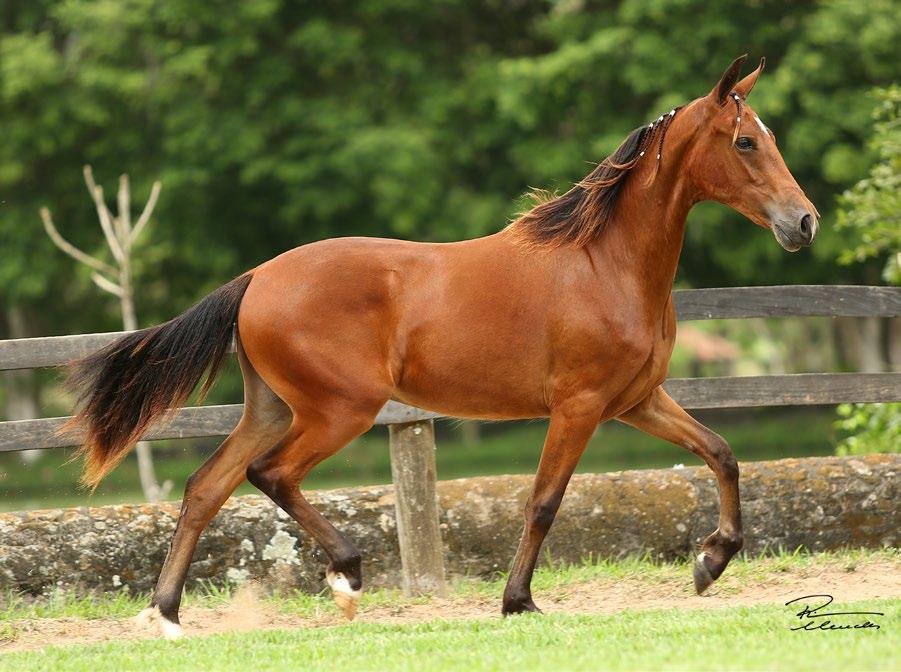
x: 871, y: 209
x: 275, y: 123
x: 870, y: 428
x: 613, y: 66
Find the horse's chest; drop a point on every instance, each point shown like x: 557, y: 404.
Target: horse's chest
x: 623, y: 365
x: 653, y: 367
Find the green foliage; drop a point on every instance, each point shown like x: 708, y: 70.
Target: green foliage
x: 872, y: 207
x: 274, y: 123
x: 871, y: 210
x: 873, y: 428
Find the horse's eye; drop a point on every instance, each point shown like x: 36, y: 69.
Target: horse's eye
x: 744, y: 143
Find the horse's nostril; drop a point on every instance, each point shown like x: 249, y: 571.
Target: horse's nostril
x: 807, y: 229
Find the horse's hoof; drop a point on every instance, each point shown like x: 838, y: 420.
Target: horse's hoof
x: 703, y: 577
x: 520, y: 607
x: 346, y: 598
x: 151, y: 618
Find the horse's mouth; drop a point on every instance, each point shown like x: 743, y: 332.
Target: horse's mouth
x: 788, y: 242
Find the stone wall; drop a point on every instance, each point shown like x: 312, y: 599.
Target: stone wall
x: 818, y: 503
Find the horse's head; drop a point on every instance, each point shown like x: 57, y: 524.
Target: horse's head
x: 734, y: 160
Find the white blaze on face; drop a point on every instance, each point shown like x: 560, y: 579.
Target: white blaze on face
x: 761, y: 124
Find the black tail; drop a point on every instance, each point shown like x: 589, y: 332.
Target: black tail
x: 125, y: 386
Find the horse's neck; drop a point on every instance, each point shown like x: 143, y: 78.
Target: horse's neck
x: 648, y: 230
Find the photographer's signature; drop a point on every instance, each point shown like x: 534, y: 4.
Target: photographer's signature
x: 812, y: 619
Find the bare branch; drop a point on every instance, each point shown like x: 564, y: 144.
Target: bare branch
x: 148, y: 211
x: 106, y: 284
x: 103, y: 214
x: 106, y: 223
x: 70, y: 249
x: 124, y: 217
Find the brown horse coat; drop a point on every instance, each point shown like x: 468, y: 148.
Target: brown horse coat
x: 566, y: 314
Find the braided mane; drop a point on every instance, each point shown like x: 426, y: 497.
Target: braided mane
x: 579, y: 215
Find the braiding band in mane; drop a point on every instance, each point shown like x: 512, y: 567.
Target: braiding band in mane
x: 740, y: 108
x: 579, y: 215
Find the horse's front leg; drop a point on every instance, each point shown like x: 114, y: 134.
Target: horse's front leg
x: 572, y: 424
x: 662, y: 417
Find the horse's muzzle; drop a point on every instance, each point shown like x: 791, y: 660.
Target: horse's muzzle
x: 796, y: 232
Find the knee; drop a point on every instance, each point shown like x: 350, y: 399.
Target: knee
x: 729, y: 466
x: 191, y: 483
x: 196, y: 496
x: 541, y: 514
x: 724, y: 458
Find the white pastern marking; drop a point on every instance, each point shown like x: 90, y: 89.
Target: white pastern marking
x: 152, y: 618
x: 701, y: 557
x: 339, y: 583
x: 761, y: 124
x: 171, y: 630
x: 146, y: 617
x: 346, y: 599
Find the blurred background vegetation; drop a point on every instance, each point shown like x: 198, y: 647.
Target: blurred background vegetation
x: 274, y: 123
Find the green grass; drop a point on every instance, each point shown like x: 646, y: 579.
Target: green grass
x: 549, y: 575
x: 506, y: 448
x: 741, y: 638
x: 734, y: 639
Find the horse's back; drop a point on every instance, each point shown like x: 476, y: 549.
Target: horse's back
x: 372, y: 315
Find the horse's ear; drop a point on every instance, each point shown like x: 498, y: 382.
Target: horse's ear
x: 743, y: 88
x: 727, y: 81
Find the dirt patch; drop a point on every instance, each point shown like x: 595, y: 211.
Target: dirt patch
x: 249, y: 611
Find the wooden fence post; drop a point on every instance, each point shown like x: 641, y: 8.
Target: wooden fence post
x: 413, y: 471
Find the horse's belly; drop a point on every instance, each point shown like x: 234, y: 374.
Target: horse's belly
x: 474, y: 382
x: 476, y: 406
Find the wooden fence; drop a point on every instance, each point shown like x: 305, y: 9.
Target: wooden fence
x: 412, y: 438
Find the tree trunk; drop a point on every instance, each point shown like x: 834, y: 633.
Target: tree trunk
x: 894, y: 343
x: 871, y: 356
x: 861, y: 343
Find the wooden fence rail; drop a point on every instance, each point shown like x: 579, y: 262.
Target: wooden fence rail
x: 412, y: 429
x: 804, y: 389
x: 691, y: 304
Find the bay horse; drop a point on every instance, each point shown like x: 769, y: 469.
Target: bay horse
x: 566, y: 313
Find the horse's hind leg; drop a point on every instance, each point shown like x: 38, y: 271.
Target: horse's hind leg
x: 265, y: 420
x: 279, y: 472
x: 662, y: 417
